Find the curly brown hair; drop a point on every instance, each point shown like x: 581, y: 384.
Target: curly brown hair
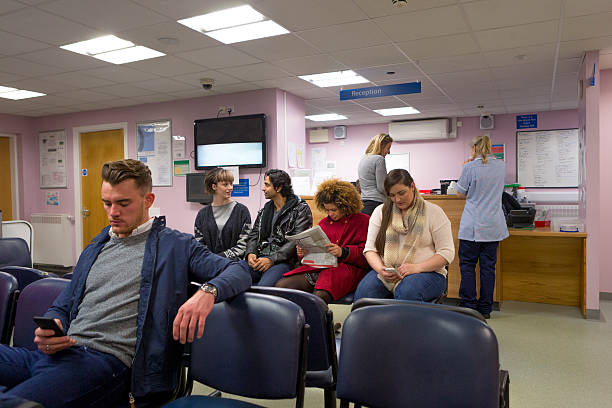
x: 341, y: 193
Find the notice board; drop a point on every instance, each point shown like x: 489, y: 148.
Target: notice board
x: 547, y: 158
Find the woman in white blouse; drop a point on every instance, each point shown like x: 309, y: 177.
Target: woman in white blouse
x: 409, y: 244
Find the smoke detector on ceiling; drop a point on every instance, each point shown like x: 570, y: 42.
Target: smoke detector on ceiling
x: 399, y: 3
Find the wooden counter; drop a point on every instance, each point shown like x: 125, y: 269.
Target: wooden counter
x: 532, y: 265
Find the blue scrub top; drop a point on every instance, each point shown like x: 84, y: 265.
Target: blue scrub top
x: 483, y: 184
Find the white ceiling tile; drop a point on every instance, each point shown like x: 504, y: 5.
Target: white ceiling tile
x: 41, y: 85
x: 377, y: 8
x: 405, y: 72
x: 187, y: 8
x: 487, y: 14
x: 528, y: 107
x: 9, y: 5
x: 55, y: 100
x: 218, y: 57
x: 78, y: 80
x: 423, y: 24
x: 89, y: 106
x: 165, y: 85
x: 455, y: 63
x: 476, y: 75
x: 149, y: 36
x: 60, y: 58
x: 594, y: 25
x: 311, y: 93
x: 256, y: 72
x: 39, y: 25
x: 278, y: 47
x: 519, y: 83
x: 107, y: 15
x: 26, y: 68
x: 286, y: 84
x: 119, y: 74
x: 371, y: 56
x: 195, y: 93
x: 310, y: 65
x: 564, y: 105
x: 528, y: 71
x: 475, y: 96
x: 194, y: 78
x: 527, y: 99
x: 123, y: 101
x: 6, y: 77
x: 568, y: 65
x: 525, y: 91
x: 123, y: 90
x: 574, y: 49
x: 582, y: 7
x: 325, y: 102
x: 86, y: 95
x: 154, y: 98
x: 517, y: 36
x: 165, y: 66
x: 440, y: 46
x: 241, y: 87
x: 531, y: 54
x: 302, y: 15
x: 11, y: 44
x: 346, y: 36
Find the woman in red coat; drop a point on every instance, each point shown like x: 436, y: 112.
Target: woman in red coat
x: 347, y: 229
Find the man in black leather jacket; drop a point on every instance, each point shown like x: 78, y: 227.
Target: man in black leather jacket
x: 268, y: 252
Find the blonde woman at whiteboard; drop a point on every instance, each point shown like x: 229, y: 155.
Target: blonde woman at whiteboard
x: 372, y: 171
x: 482, y: 224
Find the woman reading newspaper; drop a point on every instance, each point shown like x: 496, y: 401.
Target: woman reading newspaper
x: 347, y: 230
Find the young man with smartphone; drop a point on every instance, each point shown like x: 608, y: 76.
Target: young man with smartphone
x: 127, y: 312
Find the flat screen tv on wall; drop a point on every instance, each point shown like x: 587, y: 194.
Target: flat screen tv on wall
x: 230, y: 141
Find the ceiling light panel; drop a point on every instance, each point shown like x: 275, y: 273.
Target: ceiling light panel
x: 131, y: 54
x: 222, y: 19
x: 20, y: 94
x: 248, y: 32
x: 6, y: 89
x: 98, y: 45
x: 406, y: 110
x: 326, y: 117
x: 337, y: 78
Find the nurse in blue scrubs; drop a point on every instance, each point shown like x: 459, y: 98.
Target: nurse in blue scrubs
x: 482, y: 224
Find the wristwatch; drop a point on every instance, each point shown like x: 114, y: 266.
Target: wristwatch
x: 208, y: 288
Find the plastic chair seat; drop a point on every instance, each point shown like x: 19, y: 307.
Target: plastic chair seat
x: 196, y: 401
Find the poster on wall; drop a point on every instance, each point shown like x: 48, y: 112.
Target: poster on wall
x: 52, y: 156
x: 154, y: 147
x: 499, y: 151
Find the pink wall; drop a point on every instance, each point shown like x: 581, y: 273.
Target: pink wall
x: 431, y: 161
x: 605, y: 151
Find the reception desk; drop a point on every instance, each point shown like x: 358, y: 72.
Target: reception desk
x: 532, y: 265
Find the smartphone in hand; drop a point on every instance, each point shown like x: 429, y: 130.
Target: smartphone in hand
x: 394, y: 271
x: 49, y: 324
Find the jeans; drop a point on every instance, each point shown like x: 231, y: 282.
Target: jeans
x: 74, y: 377
x: 271, y: 276
x: 424, y: 287
x: 485, y: 254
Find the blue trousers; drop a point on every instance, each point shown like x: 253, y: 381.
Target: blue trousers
x: 485, y: 254
x: 424, y: 287
x: 74, y: 377
x: 271, y: 276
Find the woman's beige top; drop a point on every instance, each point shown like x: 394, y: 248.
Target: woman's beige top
x: 437, y: 237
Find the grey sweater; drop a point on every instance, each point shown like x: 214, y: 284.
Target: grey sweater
x: 372, y: 171
x: 107, y: 317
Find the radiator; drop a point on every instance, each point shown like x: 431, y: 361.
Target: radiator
x: 53, y: 241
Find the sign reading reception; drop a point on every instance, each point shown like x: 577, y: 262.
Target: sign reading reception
x: 378, y: 91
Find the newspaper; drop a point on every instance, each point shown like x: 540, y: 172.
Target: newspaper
x: 313, y: 240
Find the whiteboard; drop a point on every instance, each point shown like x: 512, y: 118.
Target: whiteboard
x: 547, y: 158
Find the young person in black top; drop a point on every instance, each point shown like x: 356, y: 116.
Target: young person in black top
x: 224, y: 225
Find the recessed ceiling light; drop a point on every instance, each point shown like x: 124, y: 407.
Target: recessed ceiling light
x: 98, y: 45
x: 337, y: 78
x: 326, y: 117
x: 20, y: 94
x: 222, y: 19
x: 131, y: 54
x: 168, y: 40
x: 406, y: 110
x: 247, y: 32
x: 6, y: 89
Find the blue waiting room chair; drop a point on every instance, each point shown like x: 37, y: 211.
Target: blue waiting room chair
x: 25, y: 275
x: 14, y: 252
x: 253, y: 346
x: 8, y: 299
x: 410, y: 354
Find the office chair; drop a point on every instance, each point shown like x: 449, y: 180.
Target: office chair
x: 253, y: 346
x: 404, y: 355
x: 14, y: 252
x: 322, y: 366
x: 8, y: 298
x: 26, y: 275
x: 35, y: 300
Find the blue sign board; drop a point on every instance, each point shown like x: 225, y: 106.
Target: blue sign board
x: 527, y: 121
x: 378, y: 91
x: 241, y: 189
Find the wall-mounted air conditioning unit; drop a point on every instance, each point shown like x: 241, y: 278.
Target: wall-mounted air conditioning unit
x: 427, y: 129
